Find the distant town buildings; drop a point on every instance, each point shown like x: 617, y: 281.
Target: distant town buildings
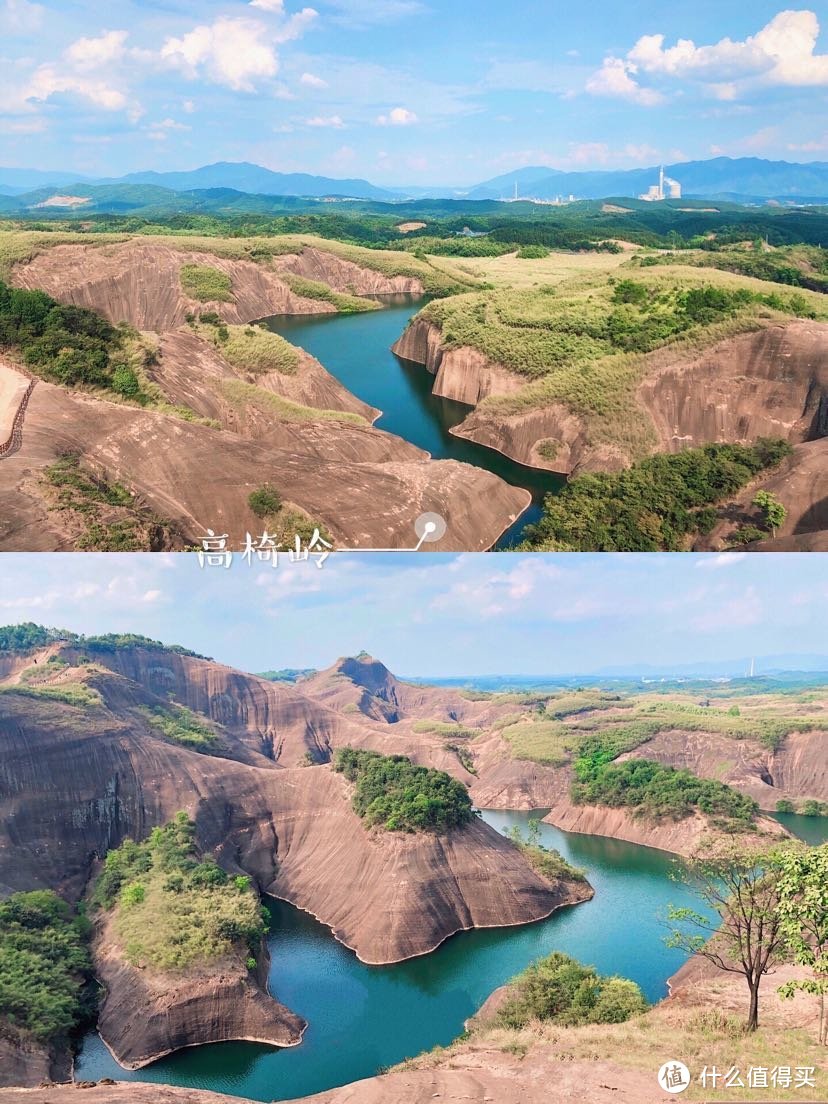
x: 667, y: 188
x: 558, y: 201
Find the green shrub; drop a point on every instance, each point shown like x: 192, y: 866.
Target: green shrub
x: 393, y: 793
x: 814, y: 808
x: 785, y: 806
x: 172, y: 908
x: 315, y: 289
x: 559, y: 989
x: 652, y: 506
x: 265, y: 500
x: 206, y: 284
x: 532, y: 252
x: 181, y: 725
x: 63, y: 344
x: 45, y: 968
x: 653, y: 790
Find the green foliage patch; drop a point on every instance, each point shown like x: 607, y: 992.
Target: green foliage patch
x: 110, y: 519
x: 392, y: 793
x: 45, y: 967
x: 63, y: 344
x: 206, y: 284
x: 560, y: 990
x: 653, y: 790
x: 70, y: 693
x: 182, y: 726
x: 657, y: 504
x: 315, y: 289
x: 172, y: 908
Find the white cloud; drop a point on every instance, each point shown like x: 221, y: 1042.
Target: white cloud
x: 310, y: 80
x: 34, y: 125
x: 92, y: 53
x: 716, y: 563
x: 21, y: 17
x: 782, y: 53
x: 236, y: 52
x: 232, y: 52
x: 364, y: 13
x: 48, y: 81
x: 160, y: 132
x: 397, y: 116
x: 727, y: 613
x: 616, y: 78
x: 334, y: 121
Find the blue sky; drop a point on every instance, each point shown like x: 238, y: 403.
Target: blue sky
x: 432, y: 614
x: 407, y: 91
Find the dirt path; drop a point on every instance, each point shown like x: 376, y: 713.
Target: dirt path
x: 15, y: 389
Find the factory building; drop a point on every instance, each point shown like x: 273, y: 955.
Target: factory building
x: 667, y: 188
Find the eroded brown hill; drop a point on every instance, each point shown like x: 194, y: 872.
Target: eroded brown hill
x: 78, y: 778
x: 772, y: 382
x: 313, y: 440
x: 198, y: 477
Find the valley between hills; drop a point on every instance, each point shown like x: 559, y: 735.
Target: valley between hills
x: 621, y: 363
x: 350, y: 793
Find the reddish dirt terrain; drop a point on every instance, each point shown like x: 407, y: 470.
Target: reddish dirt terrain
x: 772, y: 382
x: 365, y: 486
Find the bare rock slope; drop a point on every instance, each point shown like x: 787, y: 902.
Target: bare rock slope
x: 301, y: 431
x: 772, y: 382
x: 78, y: 780
x: 147, y: 1014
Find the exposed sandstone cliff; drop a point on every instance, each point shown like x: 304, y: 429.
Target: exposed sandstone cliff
x: 198, y: 477
x: 679, y: 837
x: 75, y: 782
x: 769, y: 382
x: 190, y: 370
x: 27, y: 1063
x: 147, y: 1014
x: 138, y: 281
x: 343, y: 275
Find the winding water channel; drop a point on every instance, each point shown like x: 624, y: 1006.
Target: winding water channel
x: 356, y: 349
x: 363, y: 1018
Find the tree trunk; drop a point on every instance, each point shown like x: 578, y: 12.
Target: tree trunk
x: 753, y: 1014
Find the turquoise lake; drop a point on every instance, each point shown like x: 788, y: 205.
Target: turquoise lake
x: 363, y: 1018
x: 356, y: 348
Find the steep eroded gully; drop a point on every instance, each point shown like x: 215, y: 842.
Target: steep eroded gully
x: 362, y: 1017
x: 356, y: 349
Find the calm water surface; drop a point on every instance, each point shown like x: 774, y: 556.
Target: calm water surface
x: 365, y: 1017
x: 356, y: 348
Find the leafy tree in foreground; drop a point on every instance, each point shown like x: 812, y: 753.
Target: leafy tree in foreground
x: 561, y: 989
x: 803, y: 912
x: 773, y: 512
x: 741, y: 930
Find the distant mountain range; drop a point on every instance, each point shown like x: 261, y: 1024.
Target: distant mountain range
x: 788, y: 667
x: 746, y: 178
x: 718, y: 178
x: 238, y: 176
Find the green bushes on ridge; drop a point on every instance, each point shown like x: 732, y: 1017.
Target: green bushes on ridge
x: 654, y: 790
x: 64, y: 344
x: 172, y: 907
x: 45, y: 968
x: 561, y: 990
x: 206, y: 284
x: 654, y: 505
x: 393, y: 793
